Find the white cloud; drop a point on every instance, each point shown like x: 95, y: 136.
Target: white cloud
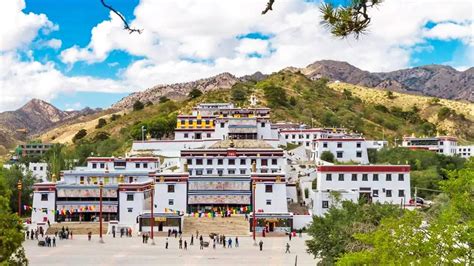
x: 54, y: 43
x: 451, y: 31
x: 189, y: 39
x: 19, y: 29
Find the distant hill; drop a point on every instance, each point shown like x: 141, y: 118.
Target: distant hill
x: 32, y: 118
x: 431, y: 80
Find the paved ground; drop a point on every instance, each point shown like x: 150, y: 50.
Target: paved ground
x: 131, y: 251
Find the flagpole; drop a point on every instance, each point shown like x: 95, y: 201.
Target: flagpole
x: 101, y: 186
x: 152, y: 222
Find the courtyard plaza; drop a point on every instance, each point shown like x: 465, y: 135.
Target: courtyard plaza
x: 131, y: 251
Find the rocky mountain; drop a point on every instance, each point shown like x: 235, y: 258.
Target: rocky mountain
x: 33, y: 118
x: 431, y: 80
x: 178, y: 91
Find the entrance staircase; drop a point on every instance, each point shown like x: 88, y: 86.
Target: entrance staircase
x: 78, y: 228
x: 229, y: 226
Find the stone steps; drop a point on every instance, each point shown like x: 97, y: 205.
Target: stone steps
x: 229, y: 226
x: 78, y: 228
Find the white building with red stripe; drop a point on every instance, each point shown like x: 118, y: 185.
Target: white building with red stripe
x: 446, y: 145
x: 345, y: 149
x: 375, y: 183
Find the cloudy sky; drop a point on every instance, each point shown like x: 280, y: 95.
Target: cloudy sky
x: 74, y: 53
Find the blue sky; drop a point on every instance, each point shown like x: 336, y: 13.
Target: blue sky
x: 73, y: 54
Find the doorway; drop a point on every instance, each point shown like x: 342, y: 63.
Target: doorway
x: 160, y: 227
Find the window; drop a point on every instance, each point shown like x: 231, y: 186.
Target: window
x: 34, y: 168
x: 198, y: 161
x: 401, y: 177
x: 307, y: 136
x: 293, y: 136
x: 81, y: 180
x: 264, y: 162
x: 242, y: 161
x: 231, y: 171
x: 365, y: 177
x: 220, y: 161
x: 339, y: 154
x: 231, y: 161
x: 220, y: 172
x: 130, y: 209
x: 208, y: 135
x: 358, y: 144
x: 328, y: 177
x: 339, y: 144
x: 388, y: 193
x: 170, y: 188
x: 341, y: 177
x: 102, y: 165
x: 222, y: 125
x: 376, y: 177
x: 209, y: 161
x: 274, y: 161
x: 189, y: 161
x: 325, y: 204
x: 170, y: 201
x: 242, y: 171
x: 94, y: 165
x: 186, y: 135
x: 262, y: 124
x: 325, y: 144
x: 375, y: 193
x: 388, y: 177
x: 137, y: 165
x: 286, y: 136
x: 269, y: 202
x: 359, y: 154
x: 354, y: 177
x: 209, y: 171
x: 44, y: 197
x: 145, y: 165
x: 198, y: 171
x: 129, y: 197
x: 268, y: 188
x: 401, y: 193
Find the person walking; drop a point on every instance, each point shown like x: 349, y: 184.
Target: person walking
x: 143, y: 238
x: 261, y: 245
x: 169, y: 232
x: 201, y: 243
x: 289, y: 235
x: 54, y: 241
x: 89, y: 236
x: 214, y: 243
x: 192, y: 240
x: 236, y: 242
x: 27, y: 234
x: 229, y: 243
x: 197, y: 233
x: 185, y: 245
x: 166, y: 245
x: 287, y: 248
x: 180, y: 243
x: 71, y: 234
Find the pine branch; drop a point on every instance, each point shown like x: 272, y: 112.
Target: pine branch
x: 126, y: 26
x: 269, y: 7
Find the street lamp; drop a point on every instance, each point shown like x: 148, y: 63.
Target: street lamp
x: 254, y: 220
x: 19, y: 186
x: 152, y: 203
x: 101, y: 186
x: 143, y: 133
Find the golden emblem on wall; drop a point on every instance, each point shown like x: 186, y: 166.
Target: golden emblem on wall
x: 278, y: 179
x: 162, y: 179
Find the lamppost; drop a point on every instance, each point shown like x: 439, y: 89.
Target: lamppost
x: 143, y: 133
x: 19, y: 186
x: 101, y: 186
x: 254, y: 220
x: 152, y: 207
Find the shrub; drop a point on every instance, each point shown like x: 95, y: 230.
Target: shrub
x: 194, y: 93
x: 164, y: 99
x: 101, y: 135
x: 390, y: 95
x: 238, y: 94
x: 138, y: 105
x: 114, y: 117
x: 79, y: 135
x: 276, y: 96
x: 444, y: 113
x: 327, y: 156
x: 101, y: 123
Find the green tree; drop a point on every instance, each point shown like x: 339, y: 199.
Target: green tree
x: 332, y: 234
x: 79, y: 135
x: 138, y: 105
x: 293, y: 101
x: 276, y: 96
x: 238, y: 94
x: 327, y: 156
x: 444, y: 112
x: 194, y: 93
x: 114, y: 117
x: 11, y: 177
x: 55, y: 158
x: 11, y: 228
x: 101, y: 123
x: 149, y: 103
x: 101, y: 135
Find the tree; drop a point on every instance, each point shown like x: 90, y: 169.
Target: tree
x: 11, y: 228
x: 332, y: 233
x: 390, y: 95
x: 327, y: 156
x: 138, y: 105
x: 101, y: 135
x: 238, y: 94
x: 114, y: 117
x: 194, y: 93
x: 293, y: 101
x: 79, y: 135
x: 149, y: 103
x: 276, y: 96
x: 101, y: 123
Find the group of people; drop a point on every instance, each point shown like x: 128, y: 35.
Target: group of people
x: 175, y: 233
x: 50, y: 241
x: 33, y: 234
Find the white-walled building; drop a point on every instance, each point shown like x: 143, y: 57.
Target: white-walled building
x: 344, y: 149
x: 375, y: 183
x: 446, y: 145
x: 465, y: 151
